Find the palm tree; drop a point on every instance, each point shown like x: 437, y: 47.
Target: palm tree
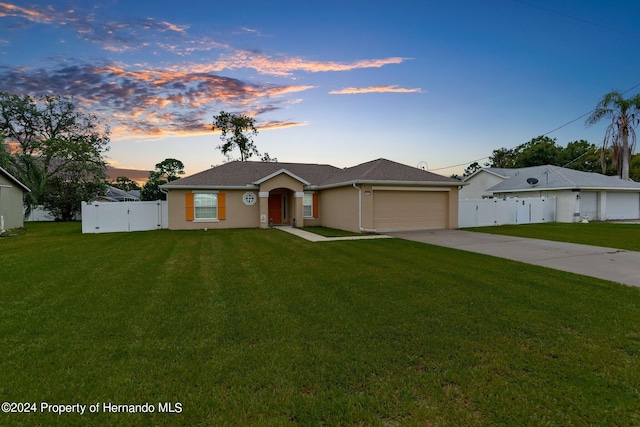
x: 620, y: 134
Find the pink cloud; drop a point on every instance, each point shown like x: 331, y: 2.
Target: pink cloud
x: 374, y: 89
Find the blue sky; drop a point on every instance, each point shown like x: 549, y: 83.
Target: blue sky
x: 337, y: 82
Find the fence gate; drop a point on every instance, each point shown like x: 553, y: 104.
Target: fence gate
x: 112, y: 217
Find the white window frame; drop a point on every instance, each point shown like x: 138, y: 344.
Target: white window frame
x: 307, y: 203
x: 213, y: 218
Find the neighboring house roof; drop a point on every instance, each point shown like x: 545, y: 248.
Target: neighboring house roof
x: 117, y: 195
x: 251, y: 174
x: 499, y: 172
x: 558, y: 178
x: 14, y: 179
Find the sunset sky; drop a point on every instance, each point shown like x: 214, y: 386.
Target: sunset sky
x: 337, y: 82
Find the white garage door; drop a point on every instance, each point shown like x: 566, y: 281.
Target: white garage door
x: 623, y: 206
x: 409, y: 210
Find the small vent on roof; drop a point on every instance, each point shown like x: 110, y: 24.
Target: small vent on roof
x: 532, y: 181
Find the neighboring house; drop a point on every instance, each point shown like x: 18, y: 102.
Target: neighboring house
x: 484, y: 178
x: 578, y: 194
x: 114, y: 194
x: 11, y: 201
x: 380, y: 195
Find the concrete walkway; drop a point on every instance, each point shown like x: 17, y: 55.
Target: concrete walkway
x: 312, y: 237
x: 616, y: 265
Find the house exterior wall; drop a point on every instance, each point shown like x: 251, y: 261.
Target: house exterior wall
x: 338, y: 208
x: 454, y: 206
x: 281, y: 181
x: 11, y: 203
x: 478, y: 185
x: 238, y: 214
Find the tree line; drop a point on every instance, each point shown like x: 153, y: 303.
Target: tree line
x: 613, y: 157
x: 59, y: 151
x: 542, y: 150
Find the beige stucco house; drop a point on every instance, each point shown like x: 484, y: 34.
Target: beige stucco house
x: 376, y: 196
x: 11, y: 201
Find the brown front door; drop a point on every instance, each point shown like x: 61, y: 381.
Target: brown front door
x: 275, y: 208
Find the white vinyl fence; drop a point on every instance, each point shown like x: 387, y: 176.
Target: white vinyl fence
x: 111, y: 217
x: 485, y: 212
x: 41, y: 214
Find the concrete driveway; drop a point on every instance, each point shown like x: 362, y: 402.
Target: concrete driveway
x: 616, y: 265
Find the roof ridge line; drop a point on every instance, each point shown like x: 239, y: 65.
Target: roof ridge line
x: 559, y: 171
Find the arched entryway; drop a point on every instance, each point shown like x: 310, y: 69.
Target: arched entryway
x: 280, y: 206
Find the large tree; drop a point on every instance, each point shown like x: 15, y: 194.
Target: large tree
x: 539, y: 151
x: 125, y: 184
x: 236, y: 132
x: 620, y: 134
x: 57, y: 151
x: 165, y: 171
x: 542, y: 150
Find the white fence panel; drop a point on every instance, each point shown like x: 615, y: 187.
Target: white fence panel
x: 39, y: 213
x: 112, y: 217
x: 486, y: 212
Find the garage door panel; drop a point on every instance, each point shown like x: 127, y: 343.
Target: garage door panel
x: 408, y: 210
x: 623, y: 206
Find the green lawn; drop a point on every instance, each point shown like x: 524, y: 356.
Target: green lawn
x: 330, y: 232
x: 259, y: 327
x: 607, y: 234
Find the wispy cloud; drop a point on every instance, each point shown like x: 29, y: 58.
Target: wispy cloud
x: 286, y: 66
x: 374, y: 89
x: 33, y: 15
x: 165, y: 99
x: 112, y: 35
x: 148, y: 102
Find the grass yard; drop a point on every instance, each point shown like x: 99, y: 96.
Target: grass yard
x: 608, y: 234
x: 329, y: 232
x: 259, y: 327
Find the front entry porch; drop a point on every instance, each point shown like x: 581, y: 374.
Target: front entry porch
x: 281, y: 206
x: 279, y: 202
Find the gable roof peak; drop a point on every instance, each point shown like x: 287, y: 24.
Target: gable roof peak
x: 14, y: 179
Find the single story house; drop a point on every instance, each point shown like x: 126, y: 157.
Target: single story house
x: 377, y: 196
x: 11, y: 201
x: 482, y: 179
x: 578, y: 194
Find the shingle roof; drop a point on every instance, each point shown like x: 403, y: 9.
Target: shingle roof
x: 382, y: 170
x: 243, y: 174
x: 501, y: 172
x: 239, y: 174
x: 556, y: 178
